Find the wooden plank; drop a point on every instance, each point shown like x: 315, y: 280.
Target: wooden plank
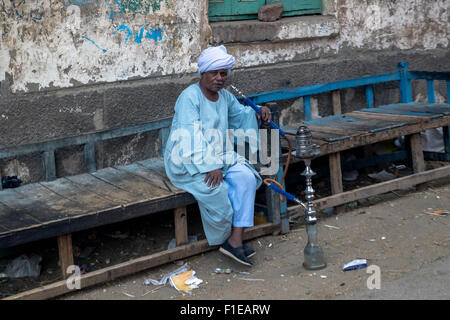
x: 149, y: 175
x: 297, y: 92
x: 40, y: 203
x: 369, y: 138
x: 49, y: 165
x: 369, y: 96
x: 319, y: 136
x: 131, y: 183
x: 24, y: 205
x: 353, y: 125
x: 10, y: 219
x: 405, y: 83
x: 334, y: 160
x: 15, y: 151
x: 335, y: 172
x: 336, y: 98
x: 133, y: 266
x: 432, y: 108
x: 157, y: 166
x: 89, y: 157
x: 181, y: 227
x: 375, y: 189
x: 84, y: 220
x: 418, y: 162
x: 104, y: 189
x: 4, y: 211
x: 417, y: 153
x: 86, y: 199
x: 65, y: 253
x: 401, y: 118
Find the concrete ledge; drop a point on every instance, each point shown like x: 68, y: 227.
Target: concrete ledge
x: 292, y: 28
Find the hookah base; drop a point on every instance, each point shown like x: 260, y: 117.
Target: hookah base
x: 314, y: 266
x: 313, y: 258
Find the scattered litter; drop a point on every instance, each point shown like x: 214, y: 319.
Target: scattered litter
x: 185, y: 282
x: 383, y: 175
x: 173, y: 242
x: 23, y: 266
x: 438, y: 212
x: 331, y: 227
x: 182, y: 279
x: 251, y: 279
x: 166, y: 277
x: 323, y: 276
x: 128, y: 295
x: 400, y: 167
x: 383, y: 238
x: 245, y: 272
x: 270, y: 245
x: 355, y: 264
x: 220, y: 271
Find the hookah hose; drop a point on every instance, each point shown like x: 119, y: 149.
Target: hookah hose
x: 278, y: 187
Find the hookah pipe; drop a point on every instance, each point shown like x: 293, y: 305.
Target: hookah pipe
x: 305, y: 150
x: 271, y: 183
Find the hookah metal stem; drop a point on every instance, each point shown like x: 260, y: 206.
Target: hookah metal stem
x: 286, y: 194
x: 258, y: 111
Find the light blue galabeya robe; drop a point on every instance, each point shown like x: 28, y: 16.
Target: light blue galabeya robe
x: 191, y: 153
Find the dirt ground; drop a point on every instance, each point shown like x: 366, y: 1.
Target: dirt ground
x: 394, y: 231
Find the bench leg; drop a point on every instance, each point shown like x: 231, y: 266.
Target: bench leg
x: 273, y: 206
x: 65, y: 253
x: 418, y: 162
x: 181, y: 231
x: 336, y: 177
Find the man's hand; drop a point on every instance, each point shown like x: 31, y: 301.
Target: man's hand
x: 266, y: 114
x: 214, y: 178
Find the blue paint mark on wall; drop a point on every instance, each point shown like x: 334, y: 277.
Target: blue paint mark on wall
x: 104, y: 50
x: 154, y: 34
x: 138, y: 38
x: 125, y: 28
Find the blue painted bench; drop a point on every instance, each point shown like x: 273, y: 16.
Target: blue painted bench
x: 369, y: 125
x: 58, y: 207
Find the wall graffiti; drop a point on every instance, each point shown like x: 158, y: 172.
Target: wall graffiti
x: 154, y: 34
x: 16, y: 9
x: 125, y: 6
x: 104, y: 50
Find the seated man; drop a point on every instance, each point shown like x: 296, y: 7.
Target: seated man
x: 223, y: 182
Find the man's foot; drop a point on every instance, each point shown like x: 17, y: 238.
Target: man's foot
x: 237, y: 254
x: 249, y: 252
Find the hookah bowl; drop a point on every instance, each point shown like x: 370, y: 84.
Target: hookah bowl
x: 306, y: 150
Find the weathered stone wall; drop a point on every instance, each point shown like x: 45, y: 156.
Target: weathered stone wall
x: 75, y: 66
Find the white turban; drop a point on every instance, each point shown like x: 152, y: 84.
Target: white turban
x: 215, y: 58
